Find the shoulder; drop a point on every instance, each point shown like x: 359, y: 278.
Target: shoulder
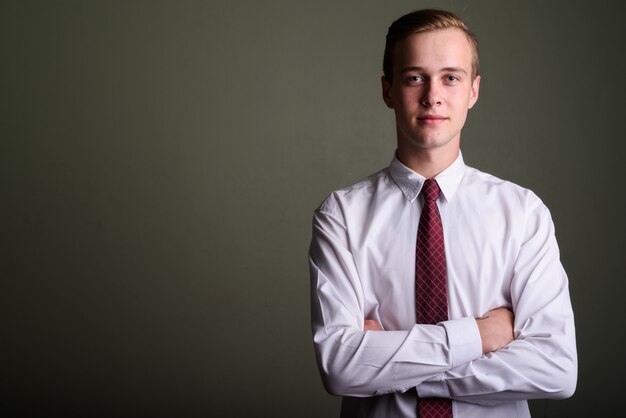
x: 502, y: 203
x: 504, y: 193
x: 356, y: 194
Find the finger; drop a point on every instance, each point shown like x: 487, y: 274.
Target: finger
x: 372, y: 325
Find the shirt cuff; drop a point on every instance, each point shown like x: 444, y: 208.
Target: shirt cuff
x: 465, y: 345
x: 464, y: 340
x: 433, y: 389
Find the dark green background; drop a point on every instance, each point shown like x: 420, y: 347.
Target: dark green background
x: 160, y: 162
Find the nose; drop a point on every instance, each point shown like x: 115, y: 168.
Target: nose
x: 431, y: 95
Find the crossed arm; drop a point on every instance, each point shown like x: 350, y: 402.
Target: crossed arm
x: 495, y: 327
x: 468, y: 359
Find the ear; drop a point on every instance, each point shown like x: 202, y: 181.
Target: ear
x: 386, y: 87
x: 474, y: 93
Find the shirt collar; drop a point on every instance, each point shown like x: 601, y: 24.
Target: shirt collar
x: 411, y: 182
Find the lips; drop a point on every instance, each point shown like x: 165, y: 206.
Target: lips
x: 431, y: 119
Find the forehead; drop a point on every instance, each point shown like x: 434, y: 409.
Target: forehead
x: 432, y: 50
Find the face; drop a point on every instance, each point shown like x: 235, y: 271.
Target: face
x: 432, y: 89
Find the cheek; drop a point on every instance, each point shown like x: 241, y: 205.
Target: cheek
x: 407, y: 102
x: 462, y: 101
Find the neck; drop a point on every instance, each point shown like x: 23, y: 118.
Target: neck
x: 428, y: 162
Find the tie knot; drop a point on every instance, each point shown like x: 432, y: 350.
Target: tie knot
x: 430, y: 190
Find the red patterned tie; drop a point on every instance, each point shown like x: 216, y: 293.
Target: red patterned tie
x: 431, y: 293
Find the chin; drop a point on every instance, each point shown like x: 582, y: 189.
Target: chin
x: 433, y: 143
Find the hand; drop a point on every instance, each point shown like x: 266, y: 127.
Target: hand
x: 372, y: 325
x: 496, y: 329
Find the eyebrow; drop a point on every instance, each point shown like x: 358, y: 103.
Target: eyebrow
x: 443, y: 70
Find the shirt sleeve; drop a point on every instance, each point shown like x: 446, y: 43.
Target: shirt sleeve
x: 541, y: 362
x: 354, y: 362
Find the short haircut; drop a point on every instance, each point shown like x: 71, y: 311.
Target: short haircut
x: 423, y: 21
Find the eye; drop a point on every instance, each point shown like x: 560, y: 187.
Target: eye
x: 451, y: 78
x: 414, y: 79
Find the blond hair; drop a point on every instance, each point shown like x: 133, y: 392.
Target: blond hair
x: 423, y: 21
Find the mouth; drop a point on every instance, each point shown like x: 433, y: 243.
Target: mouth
x: 431, y: 119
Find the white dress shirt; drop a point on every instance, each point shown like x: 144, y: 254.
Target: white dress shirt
x: 500, y: 252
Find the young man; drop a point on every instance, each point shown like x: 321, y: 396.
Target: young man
x: 437, y: 288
